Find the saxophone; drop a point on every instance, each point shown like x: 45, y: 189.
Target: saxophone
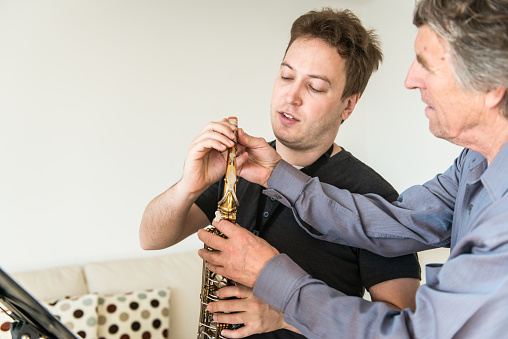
x: 211, y: 282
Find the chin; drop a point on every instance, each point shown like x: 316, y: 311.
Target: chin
x: 287, y: 142
x: 439, y: 132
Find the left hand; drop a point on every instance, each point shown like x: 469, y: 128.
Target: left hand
x: 256, y: 315
x: 240, y: 257
x: 256, y: 159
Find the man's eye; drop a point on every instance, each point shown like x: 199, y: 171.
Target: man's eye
x: 315, y: 90
x: 285, y: 78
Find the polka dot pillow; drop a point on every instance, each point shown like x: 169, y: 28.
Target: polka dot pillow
x: 134, y: 315
x: 5, y: 324
x: 78, y: 314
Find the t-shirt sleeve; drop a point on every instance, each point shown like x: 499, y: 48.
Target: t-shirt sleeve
x: 375, y: 269
x: 209, y: 199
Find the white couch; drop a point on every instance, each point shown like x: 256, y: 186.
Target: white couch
x: 180, y: 273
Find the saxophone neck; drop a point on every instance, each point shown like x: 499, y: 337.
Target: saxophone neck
x: 227, y: 205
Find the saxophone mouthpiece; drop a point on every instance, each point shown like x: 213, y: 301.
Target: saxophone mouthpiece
x: 233, y: 120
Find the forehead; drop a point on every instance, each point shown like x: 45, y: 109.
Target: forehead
x: 314, y: 56
x: 431, y: 50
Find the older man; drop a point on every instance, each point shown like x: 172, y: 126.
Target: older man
x: 461, y: 70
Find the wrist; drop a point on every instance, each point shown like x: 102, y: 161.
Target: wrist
x: 269, y: 172
x: 187, y: 191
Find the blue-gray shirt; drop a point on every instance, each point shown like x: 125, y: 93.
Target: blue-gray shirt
x: 465, y: 208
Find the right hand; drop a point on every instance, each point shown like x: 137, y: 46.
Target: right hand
x: 206, y: 160
x: 256, y: 315
x: 239, y: 256
x: 256, y: 160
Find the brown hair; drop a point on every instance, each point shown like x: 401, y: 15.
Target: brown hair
x: 343, y: 30
x: 477, y: 35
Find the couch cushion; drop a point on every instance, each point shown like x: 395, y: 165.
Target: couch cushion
x: 181, y: 272
x: 53, y: 283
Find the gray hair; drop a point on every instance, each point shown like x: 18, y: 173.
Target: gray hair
x: 477, y: 33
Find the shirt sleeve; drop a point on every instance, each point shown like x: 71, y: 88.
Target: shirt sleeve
x: 420, y: 219
x: 208, y: 200
x: 454, y: 303
x: 375, y: 269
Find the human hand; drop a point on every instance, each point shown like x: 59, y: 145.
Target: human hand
x: 206, y: 159
x: 256, y: 315
x: 240, y: 257
x: 256, y: 159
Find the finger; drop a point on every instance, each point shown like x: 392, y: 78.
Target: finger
x: 209, y: 139
x: 250, y: 141
x: 238, y: 291
x: 223, y: 127
x: 228, y: 305
x: 227, y: 227
x: 211, y: 258
x: 208, y: 144
x: 244, y: 138
x: 242, y: 332
x: 211, y: 240
x: 230, y: 318
x: 220, y: 270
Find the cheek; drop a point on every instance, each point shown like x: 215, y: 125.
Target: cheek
x: 277, y: 91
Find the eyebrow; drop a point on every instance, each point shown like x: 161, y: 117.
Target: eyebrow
x: 321, y: 77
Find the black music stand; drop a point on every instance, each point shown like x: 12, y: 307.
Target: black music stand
x: 31, y: 319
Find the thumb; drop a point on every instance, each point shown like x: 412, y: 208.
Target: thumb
x: 224, y: 226
x: 248, y: 140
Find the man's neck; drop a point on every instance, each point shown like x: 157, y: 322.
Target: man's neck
x: 487, y: 140
x: 303, y: 157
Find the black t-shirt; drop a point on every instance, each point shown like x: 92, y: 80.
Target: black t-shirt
x: 347, y: 269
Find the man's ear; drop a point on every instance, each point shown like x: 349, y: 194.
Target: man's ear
x: 494, y: 97
x: 349, y: 106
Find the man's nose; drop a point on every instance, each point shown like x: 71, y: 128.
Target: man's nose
x: 414, y: 77
x: 293, y: 94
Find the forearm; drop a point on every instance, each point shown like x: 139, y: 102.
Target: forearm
x: 164, y: 219
x: 398, y: 294
x: 474, y: 308
x: 421, y: 221
x: 312, y: 307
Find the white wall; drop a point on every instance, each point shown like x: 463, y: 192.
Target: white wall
x: 99, y: 101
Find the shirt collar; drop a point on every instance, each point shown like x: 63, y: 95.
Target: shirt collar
x: 495, y: 178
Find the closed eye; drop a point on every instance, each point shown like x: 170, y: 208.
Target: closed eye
x: 315, y: 90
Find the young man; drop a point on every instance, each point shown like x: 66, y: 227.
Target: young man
x: 461, y: 70
x: 328, y: 62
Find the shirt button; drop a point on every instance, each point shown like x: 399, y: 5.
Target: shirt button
x: 273, y: 199
x: 266, y: 214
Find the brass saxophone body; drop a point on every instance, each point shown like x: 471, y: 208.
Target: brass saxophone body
x: 211, y: 282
